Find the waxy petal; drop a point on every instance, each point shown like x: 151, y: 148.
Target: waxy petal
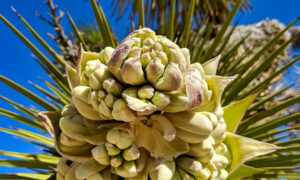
x: 160, y: 148
x: 193, y: 122
x: 210, y: 67
x: 154, y: 70
x: 194, y: 88
x: 162, y: 170
x: 132, y: 72
x: 141, y: 107
x: 171, y: 79
x: 88, y: 168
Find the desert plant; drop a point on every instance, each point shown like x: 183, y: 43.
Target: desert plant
x: 107, y: 108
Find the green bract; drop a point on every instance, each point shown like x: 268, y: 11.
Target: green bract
x: 143, y: 111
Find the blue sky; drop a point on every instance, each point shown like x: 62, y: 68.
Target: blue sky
x: 17, y: 64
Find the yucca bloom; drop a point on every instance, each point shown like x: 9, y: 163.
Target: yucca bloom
x: 143, y: 110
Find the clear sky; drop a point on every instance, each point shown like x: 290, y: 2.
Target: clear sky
x: 17, y: 64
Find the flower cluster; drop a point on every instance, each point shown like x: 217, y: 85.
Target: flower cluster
x: 143, y: 110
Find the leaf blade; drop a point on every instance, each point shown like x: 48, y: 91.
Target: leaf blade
x: 234, y: 112
x: 27, y: 93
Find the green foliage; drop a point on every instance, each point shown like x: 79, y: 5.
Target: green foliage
x: 156, y: 10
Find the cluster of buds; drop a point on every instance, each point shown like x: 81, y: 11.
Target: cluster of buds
x: 88, y: 170
x: 143, y: 110
x: 197, y: 166
x: 120, y: 152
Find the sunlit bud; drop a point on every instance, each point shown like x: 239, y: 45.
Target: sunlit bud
x: 190, y: 165
x: 125, y: 140
x: 112, y: 149
x: 171, y: 78
x: 132, y: 72
x: 106, y: 54
x: 112, y: 86
x: 146, y: 92
x: 132, y: 153
x: 145, y: 59
x: 113, y: 136
x: 109, y: 100
x: 122, y: 112
x: 116, y: 161
x: 162, y: 56
x: 135, y: 51
x: 130, y: 167
x: 93, y: 99
x: 100, y: 154
x: 105, y: 110
x: 160, y: 99
x: 154, y: 70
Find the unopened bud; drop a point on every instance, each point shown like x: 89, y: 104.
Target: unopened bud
x: 160, y: 99
x: 154, y: 70
x: 146, y: 49
x: 148, y: 42
x: 162, y: 56
x: 163, y: 171
x: 88, y: 168
x: 102, y: 73
x: 101, y: 95
x: 113, y: 136
x: 116, y: 161
x: 190, y: 165
x: 186, y: 54
x: 212, y: 117
x: 223, y: 174
x: 112, y: 149
x: 106, y: 54
x: 146, y: 92
x: 94, y: 83
x: 91, y: 66
x: 219, y: 133
x: 203, y: 174
x: 105, y: 111
x: 82, y: 93
x: 122, y: 112
x: 220, y: 161
x: 125, y: 140
x: 109, y: 100
x: 130, y: 167
x: 132, y: 72
x: 157, y: 47
x: 171, y: 79
x: 145, y: 59
x: 112, y: 86
x: 178, y: 58
x: 100, y: 154
x: 201, y: 149
x: 207, y: 158
x: 132, y: 153
x: 135, y: 51
x: 93, y: 100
